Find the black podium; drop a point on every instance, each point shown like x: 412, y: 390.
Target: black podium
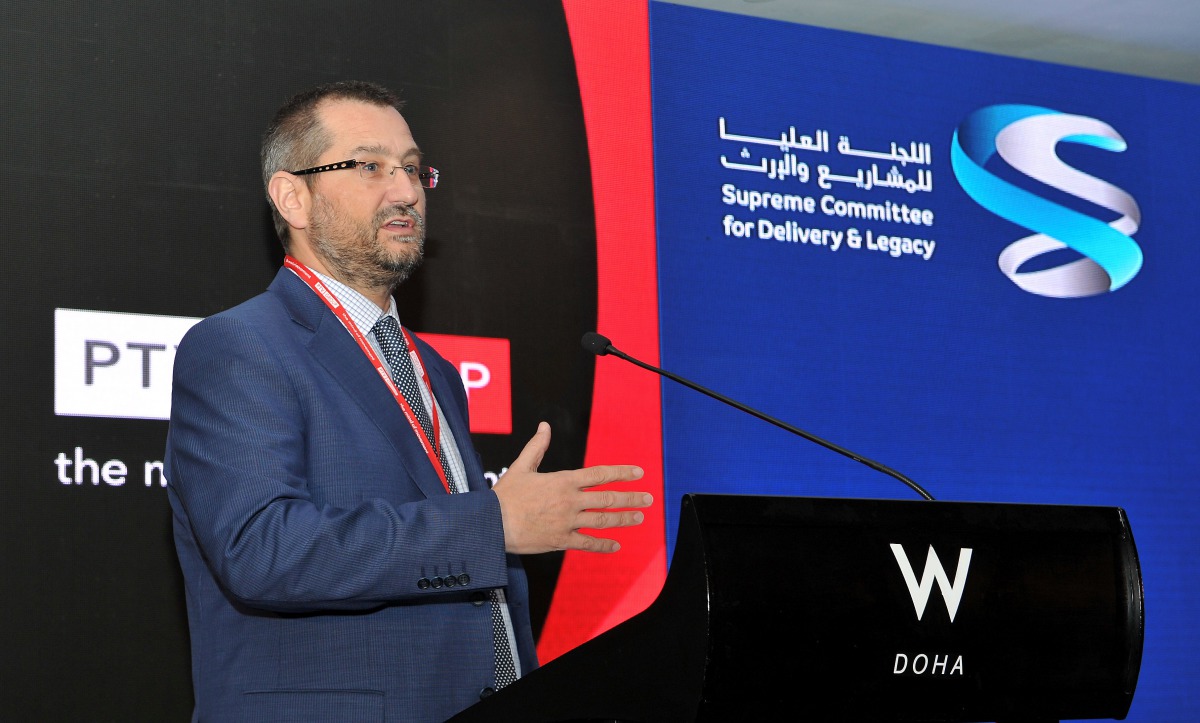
x: 816, y: 609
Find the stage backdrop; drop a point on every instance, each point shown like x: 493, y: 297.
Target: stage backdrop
x: 967, y: 267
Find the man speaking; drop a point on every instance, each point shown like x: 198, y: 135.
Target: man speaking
x: 343, y: 556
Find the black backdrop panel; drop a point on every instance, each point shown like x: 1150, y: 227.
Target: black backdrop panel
x: 131, y: 184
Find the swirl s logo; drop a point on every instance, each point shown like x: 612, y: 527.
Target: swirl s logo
x: 1026, y: 137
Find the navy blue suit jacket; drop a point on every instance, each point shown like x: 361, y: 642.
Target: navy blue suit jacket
x: 305, y: 513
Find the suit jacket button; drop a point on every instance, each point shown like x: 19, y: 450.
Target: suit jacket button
x: 436, y: 582
x: 486, y: 692
x: 464, y: 579
x: 478, y: 598
x: 450, y: 580
x: 423, y: 583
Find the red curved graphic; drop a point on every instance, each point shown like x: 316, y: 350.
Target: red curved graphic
x: 612, y: 58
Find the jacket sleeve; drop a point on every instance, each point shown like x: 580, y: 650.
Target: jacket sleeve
x: 237, y: 464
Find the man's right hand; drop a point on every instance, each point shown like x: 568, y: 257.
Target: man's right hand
x: 545, y: 511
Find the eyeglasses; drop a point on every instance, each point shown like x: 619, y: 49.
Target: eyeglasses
x: 376, y: 172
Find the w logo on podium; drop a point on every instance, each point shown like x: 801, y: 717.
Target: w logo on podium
x: 952, y: 590
x: 1026, y: 138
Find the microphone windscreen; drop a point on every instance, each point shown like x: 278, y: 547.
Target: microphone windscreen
x: 595, y: 343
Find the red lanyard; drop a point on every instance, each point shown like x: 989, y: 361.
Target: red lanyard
x: 430, y: 446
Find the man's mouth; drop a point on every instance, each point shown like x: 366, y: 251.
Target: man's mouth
x: 403, y: 222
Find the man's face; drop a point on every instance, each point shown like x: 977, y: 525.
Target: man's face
x: 368, y: 234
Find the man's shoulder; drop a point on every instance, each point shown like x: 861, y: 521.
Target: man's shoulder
x: 259, y: 311
x: 279, y: 300
x: 254, y: 310
x: 264, y: 315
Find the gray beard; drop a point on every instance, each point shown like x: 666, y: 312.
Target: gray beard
x: 353, y: 253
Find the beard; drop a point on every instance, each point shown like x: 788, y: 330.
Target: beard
x: 353, y: 251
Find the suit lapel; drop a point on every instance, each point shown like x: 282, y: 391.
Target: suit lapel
x: 334, y: 348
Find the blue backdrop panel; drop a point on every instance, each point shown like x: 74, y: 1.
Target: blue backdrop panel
x: 824, y: 256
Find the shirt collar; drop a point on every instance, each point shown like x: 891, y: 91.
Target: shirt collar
x: 363, y: 312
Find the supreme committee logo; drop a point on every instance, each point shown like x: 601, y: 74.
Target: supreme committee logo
x: 1026, y: 137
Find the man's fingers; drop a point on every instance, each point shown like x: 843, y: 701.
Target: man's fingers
x: 531, y: 456
x: 577, y: 540
x: 543, y: 512
x: 587, y: 543
x: 605, y: 473
x: 610, y: 499
x: 601, y: 520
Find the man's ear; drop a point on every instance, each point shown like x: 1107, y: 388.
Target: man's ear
x: 291, y: 198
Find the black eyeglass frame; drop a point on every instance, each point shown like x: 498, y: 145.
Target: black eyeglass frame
x: 426, y: 175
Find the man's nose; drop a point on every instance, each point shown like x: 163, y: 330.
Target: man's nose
x: 403, y: 188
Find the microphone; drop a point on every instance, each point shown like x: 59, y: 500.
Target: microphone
x: 601, y: 346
